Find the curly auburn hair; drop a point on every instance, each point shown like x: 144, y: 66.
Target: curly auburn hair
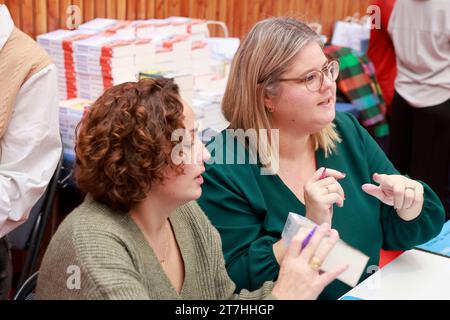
x: 124, y: 141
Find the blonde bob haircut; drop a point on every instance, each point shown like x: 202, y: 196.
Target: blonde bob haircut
x: 264, y: 55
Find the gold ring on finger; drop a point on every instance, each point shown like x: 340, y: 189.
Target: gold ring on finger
x: 315, y: 263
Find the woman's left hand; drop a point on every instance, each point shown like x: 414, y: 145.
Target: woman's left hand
x: 406, y: 195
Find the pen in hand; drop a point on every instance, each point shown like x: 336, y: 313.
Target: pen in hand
x: 323, y: 176
x: 308, y: 238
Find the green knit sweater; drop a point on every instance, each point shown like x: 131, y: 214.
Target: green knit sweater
x: 100, y: 254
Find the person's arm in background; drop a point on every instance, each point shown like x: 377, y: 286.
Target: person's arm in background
x: 247, y: 246
x: 400, y: 234
x: 30, y: 148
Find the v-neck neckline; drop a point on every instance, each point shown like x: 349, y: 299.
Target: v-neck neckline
x: 319, y: 159
x: 181, y: 241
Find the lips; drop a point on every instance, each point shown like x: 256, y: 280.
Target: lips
x: 325, y: 101
x: 199, y: 178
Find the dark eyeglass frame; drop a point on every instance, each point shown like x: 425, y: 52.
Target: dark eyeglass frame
x: 322, y: 74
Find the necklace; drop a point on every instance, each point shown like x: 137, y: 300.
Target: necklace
x: 166, y: 250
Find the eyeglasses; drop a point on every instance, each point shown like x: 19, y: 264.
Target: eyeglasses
x: 314, y: 79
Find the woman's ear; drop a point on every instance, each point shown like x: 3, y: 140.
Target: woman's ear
x: 268, y: 103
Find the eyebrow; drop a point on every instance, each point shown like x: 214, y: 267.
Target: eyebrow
x: 312, y: 69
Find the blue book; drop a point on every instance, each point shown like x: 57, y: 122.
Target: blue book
x: 350, y: 298
x: 439, y: 245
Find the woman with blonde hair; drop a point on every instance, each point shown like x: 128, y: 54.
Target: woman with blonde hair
x: 281, y: 93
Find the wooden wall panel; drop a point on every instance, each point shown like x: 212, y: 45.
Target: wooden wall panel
x: 121, y: 9
x: 100, y: 8
x: 89, y: 10
x: 141, y: 9
x: 53, y: 14
x: 63, y: 16
x: 131, y: 9
x: 40, y: 16
x: 27, y: 17
x: 14, y: 8
x: 159, y: 9
x: 111, y: 8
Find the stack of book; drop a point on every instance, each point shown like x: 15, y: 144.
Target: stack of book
x: 70, y: 114
x: 59, y: 45
x: 102, y: 61
x: 207, y: 107
x: 200, y: 57
x: 105, y: 52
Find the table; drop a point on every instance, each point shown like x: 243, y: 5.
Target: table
x: 414, y: 275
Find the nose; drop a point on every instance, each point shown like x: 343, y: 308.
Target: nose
x: 203, y: 154
x: 327, y: 82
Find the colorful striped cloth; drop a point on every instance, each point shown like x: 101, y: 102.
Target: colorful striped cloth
x: 358, y: 83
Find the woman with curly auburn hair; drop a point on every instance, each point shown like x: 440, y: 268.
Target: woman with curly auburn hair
x: 139, y: 234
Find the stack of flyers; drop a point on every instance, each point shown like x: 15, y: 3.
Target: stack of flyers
x: 59, y: 45
x: 200, y: 58
x: 70, y: 114
x: 207, y: 107
x: 180, y: 25
x: 154, y: 26
x: 101, y: 62
x: 106, y: 52
x: 198, y: 28
x: 99, y: 24
x: 122, y: 29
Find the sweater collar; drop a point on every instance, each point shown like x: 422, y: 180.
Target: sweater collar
x: 6, y: 25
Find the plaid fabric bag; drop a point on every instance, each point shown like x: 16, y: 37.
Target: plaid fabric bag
x: 358, y: 83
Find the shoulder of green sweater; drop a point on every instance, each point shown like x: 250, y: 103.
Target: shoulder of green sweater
x: 352, y: 133
x: 93, y: 221
x: 191, y: 213
x: 347, y: 122
x: 193, y: 217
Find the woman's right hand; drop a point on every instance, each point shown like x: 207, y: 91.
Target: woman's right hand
x: 298, y: 278
x: 321, y: 193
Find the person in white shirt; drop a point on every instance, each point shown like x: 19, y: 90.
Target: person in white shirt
x: 420, y: 123
x: 30, y: 144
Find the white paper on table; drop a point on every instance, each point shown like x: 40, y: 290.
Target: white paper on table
x: 341, y: 253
